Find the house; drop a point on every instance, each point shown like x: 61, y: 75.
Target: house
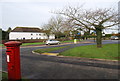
x: 22, y: 33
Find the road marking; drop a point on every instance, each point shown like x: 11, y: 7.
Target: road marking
x: 51, y: 54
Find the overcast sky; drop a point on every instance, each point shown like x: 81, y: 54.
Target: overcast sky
x: 34, y: 13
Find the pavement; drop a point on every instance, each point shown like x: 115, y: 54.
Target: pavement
x: 36, y: 66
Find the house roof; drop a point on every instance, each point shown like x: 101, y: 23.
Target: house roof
x: 27, y: 29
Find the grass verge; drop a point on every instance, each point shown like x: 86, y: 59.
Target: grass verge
x: 5, y: 77
x: 27, y: 44
x: 109, y: 51
x: 49, y: 49
x: 0, y: 44
x: 38, y: 43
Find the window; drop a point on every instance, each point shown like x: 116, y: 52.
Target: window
x: 36, y: 34
x: 31, y: 34
x: 24, y: 38
x: 39, y: 34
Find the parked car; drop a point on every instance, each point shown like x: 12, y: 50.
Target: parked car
x: 114, y: 38
x: 51, y: 41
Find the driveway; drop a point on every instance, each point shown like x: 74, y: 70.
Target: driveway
x: 34, y: 66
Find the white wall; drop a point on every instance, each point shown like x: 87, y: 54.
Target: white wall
x: 52, y: 36
x: 28, y: 35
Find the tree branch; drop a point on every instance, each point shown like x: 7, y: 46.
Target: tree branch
x: 111, y: 25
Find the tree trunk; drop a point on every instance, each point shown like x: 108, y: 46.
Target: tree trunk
x: 99, y: 38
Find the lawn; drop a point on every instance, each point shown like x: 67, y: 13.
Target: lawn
x: 49, y: 49
x: 109, y: 51
x: 37, y: 43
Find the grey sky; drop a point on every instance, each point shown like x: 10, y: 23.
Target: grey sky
x: 34, y: 13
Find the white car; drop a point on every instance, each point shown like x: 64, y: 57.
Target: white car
x: 114, y: 38
x: 50, y: 41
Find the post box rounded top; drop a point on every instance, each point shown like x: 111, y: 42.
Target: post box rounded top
x: 12, y: 43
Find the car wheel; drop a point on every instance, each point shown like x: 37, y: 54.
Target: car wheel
x: 48, y: 44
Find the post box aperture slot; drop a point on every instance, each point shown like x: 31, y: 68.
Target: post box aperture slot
x: 9, y: 46
x: 10, y: 56
x: 8, y: 51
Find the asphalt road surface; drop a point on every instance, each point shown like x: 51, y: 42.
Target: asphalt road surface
x: 34, y: 66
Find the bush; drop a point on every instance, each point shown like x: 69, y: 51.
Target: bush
x: 108, y: 35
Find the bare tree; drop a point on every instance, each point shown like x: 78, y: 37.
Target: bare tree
x: 97, y: 20
x: 54, y: 25
x: 47, y: 30
x: 68, y: 28
x: 57, y: 25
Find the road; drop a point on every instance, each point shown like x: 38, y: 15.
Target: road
x: 34, y: 66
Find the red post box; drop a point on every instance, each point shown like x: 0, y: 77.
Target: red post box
x: 13, y: 60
